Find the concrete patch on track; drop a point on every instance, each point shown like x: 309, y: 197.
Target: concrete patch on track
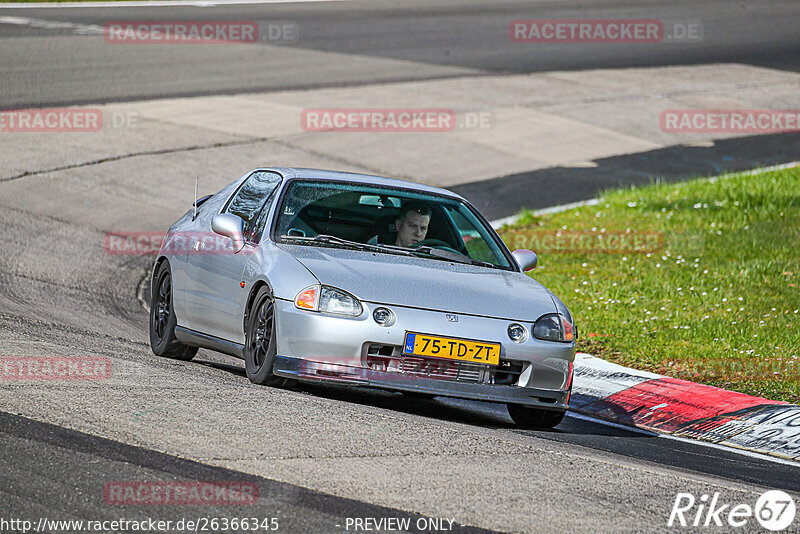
x: 506, y: 124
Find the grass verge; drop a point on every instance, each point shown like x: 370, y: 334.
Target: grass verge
x: 697, y: 280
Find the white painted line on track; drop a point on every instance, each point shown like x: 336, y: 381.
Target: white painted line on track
x: 735, y: 450
x: 80, y: 29
x: 511, y: 219
x: 154, y: 3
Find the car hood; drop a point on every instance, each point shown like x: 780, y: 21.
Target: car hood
x: 427, y: 283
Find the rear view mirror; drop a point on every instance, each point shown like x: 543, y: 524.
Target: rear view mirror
x: 229, y: 226
x: 526, y: 259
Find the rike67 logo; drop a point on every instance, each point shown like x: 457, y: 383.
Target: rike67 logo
x: 774, y: 510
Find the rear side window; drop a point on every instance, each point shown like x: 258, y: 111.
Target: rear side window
x: 250, y: 197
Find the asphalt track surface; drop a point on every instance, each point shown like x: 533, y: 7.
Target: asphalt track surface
x: 319, y: 454
x: 368, y: 42
x: 554, y: 186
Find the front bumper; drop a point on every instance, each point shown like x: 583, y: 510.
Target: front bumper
x: 358, y: 351
x: 354, y: 376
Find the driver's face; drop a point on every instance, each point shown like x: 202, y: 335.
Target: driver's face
x: 411, y: 229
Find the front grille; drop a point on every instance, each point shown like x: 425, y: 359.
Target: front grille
x: 441, y: 369
x: 388, y: 358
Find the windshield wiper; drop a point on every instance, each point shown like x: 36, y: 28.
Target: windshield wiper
x: 439, y: 254
x: 453, y: 256
x: 444, y: 255
x: 325, y: 238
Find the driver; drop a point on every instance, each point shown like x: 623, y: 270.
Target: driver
x: 411, y: 223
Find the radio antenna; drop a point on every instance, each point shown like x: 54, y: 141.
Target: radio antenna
x: 195, y: 198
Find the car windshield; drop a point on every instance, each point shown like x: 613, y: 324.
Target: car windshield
x: 385, y: 219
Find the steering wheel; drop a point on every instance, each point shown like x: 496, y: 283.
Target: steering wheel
x: 436, y: 243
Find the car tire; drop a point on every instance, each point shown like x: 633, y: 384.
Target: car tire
x: 526, y: 417
x: 163, y: 319
x: 260, y: 341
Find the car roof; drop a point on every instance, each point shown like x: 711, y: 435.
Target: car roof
x: 340, y: 176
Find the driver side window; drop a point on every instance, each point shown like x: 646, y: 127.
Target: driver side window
x: 248, y: 200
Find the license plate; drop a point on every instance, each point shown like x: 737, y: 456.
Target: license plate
x: 464, y: 350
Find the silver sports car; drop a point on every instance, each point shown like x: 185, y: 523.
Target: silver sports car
x: 329, y: 276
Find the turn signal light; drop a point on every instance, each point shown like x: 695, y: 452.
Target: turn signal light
x: 569, y: 332
x: 307, y: 299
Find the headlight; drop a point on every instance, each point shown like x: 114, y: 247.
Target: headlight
x: 554, y: 327
x: 329, y: 300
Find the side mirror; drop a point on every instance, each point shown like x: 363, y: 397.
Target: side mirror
x: 526, y: 259
x: 230, y: 226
